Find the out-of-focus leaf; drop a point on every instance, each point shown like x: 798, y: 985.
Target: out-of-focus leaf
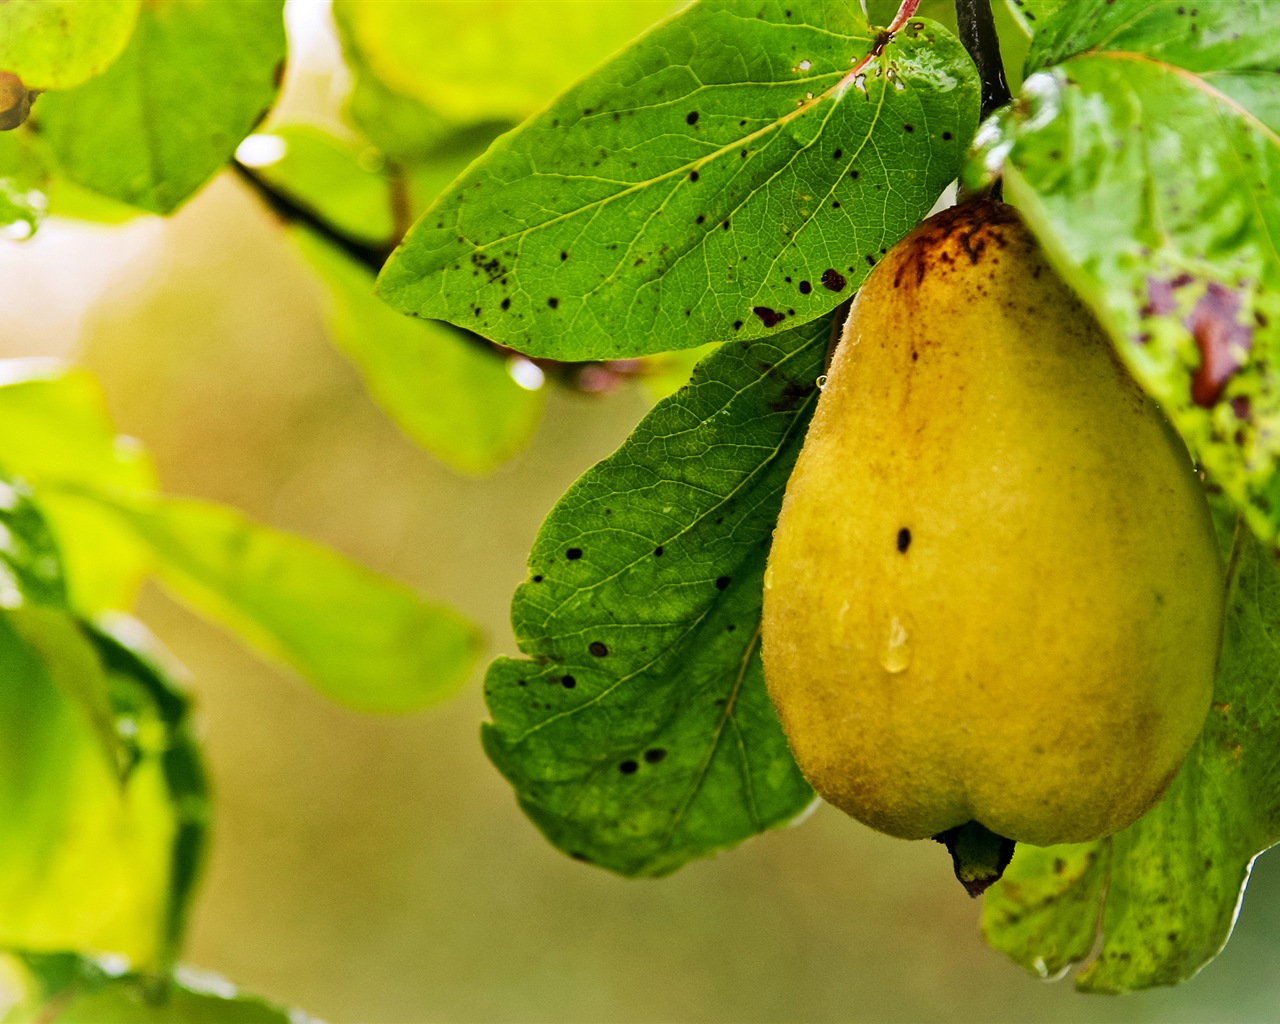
x: 67, y: 199
x: 728, y: 173
x: 667, y: 373
x: 128, y: 1002
x: 152, y: 718
x: 24, y: 181
x: 1146, y: 156
x: 55, y: 44
x: 67, y: 989
x: 359, y: 638
x: 340, y: 181
x: 30, y: 565
x: 55, y: 431
x: 639, y: 735
x: 31, y: 576
x: 1166, y: 890
x: 435, y: 169
x: 159, y: 123
x: 1031, y: 14
x: 84, y: 858
x: 474, y: 59
x: 402, y: 127
x: 72, y: 667
x: 450, y: 394
x: 1234, y: 35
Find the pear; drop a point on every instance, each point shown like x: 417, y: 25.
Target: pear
x: 994, y: 598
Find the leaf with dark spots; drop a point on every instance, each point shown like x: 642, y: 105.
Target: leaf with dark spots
x: 833, y: 280
x: 713, y: 189
x: 667, y: 748
x: 1162, y: 217
x: 1223, y: 341
x: 1161, y: 300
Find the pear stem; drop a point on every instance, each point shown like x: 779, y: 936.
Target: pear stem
x: 978, y: 33
x: 978, y: 855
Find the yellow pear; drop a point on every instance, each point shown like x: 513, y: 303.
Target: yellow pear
x: 994, y: 594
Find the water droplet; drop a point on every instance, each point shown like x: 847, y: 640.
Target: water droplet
x: 527, y: 374
x: 18, y: 230
x: 261, y: 150
x: 821, y: 382
x: 896, y: 654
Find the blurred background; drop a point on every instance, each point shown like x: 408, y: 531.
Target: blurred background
x: 378, y: 869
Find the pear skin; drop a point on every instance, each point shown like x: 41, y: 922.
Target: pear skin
x: 994, y: 593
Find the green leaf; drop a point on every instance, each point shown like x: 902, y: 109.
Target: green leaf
x: 359, y: 638
x: 31, y: 575
x: 1235, y: 35
x: 168, y: 114
x: 669, y: 372
x: 1147, y: 162
x: 193, y: 999
x: 1166, y: 890
x: 30, y: 564
x: 721, y: 176
x: 356, y: 636
x: 55, y: 44
x: 488, y: 69
x: 640, y: 734
x: 1031, y: 14
x: 449, y: 393
x: 340, y: 181
x: 67, y: 199
x: 86, y: 858
x: 24, y: 181
x: 70, y: 989
x: 399, y: 125
x: 432, y: 171
x: 153, y: 720
x: 55, y: 432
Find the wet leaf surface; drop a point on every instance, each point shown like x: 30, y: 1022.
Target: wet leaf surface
x: 639, y: 734
x: 731, y: 174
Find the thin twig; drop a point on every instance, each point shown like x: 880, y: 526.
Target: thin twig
x: 292, y: 212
